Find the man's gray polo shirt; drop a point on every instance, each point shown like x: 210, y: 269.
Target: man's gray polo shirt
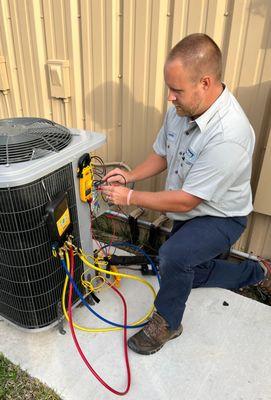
x: 210, y: 157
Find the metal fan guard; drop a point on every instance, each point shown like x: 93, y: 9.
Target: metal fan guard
x: 26, y: 139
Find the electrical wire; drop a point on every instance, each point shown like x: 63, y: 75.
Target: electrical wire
x: 124, y: 179
x: 91, y: 231
x: 120, y: 164
x: 71, y: 257
x: 97, y: 166
x: 112, y: 237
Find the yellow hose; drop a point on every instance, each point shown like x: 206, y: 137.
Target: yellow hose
x: 85, y: 261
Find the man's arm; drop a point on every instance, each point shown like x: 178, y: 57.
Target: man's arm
x: 153, y: 165
x: 165, y: 201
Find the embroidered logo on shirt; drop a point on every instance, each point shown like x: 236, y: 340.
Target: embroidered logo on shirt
x: 171, y: 136
x: 190, y: 156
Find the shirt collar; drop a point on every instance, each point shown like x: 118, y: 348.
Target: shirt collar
x: 202, y: 120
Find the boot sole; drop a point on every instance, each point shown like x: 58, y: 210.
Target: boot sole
x: 149, y: 352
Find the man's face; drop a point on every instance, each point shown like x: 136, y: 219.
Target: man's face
x: 186, y: 95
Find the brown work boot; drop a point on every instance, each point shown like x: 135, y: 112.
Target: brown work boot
x: 153, y: 336
x: 265, y: 284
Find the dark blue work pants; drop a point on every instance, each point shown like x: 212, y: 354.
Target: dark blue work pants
x: 187, y: 260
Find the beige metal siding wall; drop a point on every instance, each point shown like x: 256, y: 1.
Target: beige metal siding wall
x: 113, y: 53
x: 248, y: 75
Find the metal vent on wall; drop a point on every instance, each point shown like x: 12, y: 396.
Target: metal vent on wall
x: 26, y: 139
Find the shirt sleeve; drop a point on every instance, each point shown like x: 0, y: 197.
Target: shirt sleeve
x: 160, y: 143
x: 216, y: 170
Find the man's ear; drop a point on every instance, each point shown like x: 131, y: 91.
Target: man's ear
x: 205, y: 82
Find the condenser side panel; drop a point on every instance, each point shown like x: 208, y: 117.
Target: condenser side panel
x: 31, y: 279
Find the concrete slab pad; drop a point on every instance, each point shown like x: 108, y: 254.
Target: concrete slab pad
x: 224, y: 352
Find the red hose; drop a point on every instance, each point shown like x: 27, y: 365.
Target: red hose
x: 77, y: 343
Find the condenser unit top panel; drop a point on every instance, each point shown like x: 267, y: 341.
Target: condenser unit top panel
x: 71, y: 143
x: 26, y: 139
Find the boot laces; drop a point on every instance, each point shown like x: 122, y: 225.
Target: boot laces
x: 156, y: 327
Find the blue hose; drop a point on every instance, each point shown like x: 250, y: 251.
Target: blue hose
x: 79, y: 294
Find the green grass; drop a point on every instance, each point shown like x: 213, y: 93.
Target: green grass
x: 16, y: 384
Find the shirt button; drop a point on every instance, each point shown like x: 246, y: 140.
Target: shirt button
x: 180, y: 153
x: 187, y: 133
x: 176, y: 172
x: 181, y: 165
x: 168, y: 146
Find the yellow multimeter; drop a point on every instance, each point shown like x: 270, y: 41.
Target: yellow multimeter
x: 85, y: 174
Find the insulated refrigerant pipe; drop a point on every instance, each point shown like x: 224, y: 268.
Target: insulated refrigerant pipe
x: 142, y: 222
x: 147, y: 223
x: 114, y: 164
x: 244, y: 255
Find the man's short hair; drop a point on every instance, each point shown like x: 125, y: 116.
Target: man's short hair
x: 199, y: 53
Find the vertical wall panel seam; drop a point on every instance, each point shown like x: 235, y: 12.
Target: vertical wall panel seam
x: 83, y: 62
x: 49, y: 29
x: 67, y: 107
x: 72, y: 110
x: 105, y: 71
x: 32, y: 58
x: 45, y: 71
x: 51, y: 53
x: 133, y: 67
x: 47, y: 57
x: 245, y: 36
x: 19, y: 62
x: 227, y: 32
x: 241, y: 48
x: 204, y: 17
x: 105, y: 67
x: 8, y: 43
x: 39, y: 57
x: 171, y: 7
x: 148, y: 69
x: 121, y: 81
x: 149, y: 55
x: 264, y: 56
x: 80, y: 30
x: 187, y: 15
x: 92, y: 58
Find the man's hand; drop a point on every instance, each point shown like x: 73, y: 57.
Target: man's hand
x: 116, y: 194
x: 118, y: 175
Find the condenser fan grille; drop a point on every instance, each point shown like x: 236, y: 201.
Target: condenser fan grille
x: 26, y: 139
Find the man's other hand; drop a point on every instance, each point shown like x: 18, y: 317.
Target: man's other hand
x: 116, y: 194
x: 118, y: 175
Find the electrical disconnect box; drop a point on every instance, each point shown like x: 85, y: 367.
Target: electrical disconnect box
x: 59, y: 78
